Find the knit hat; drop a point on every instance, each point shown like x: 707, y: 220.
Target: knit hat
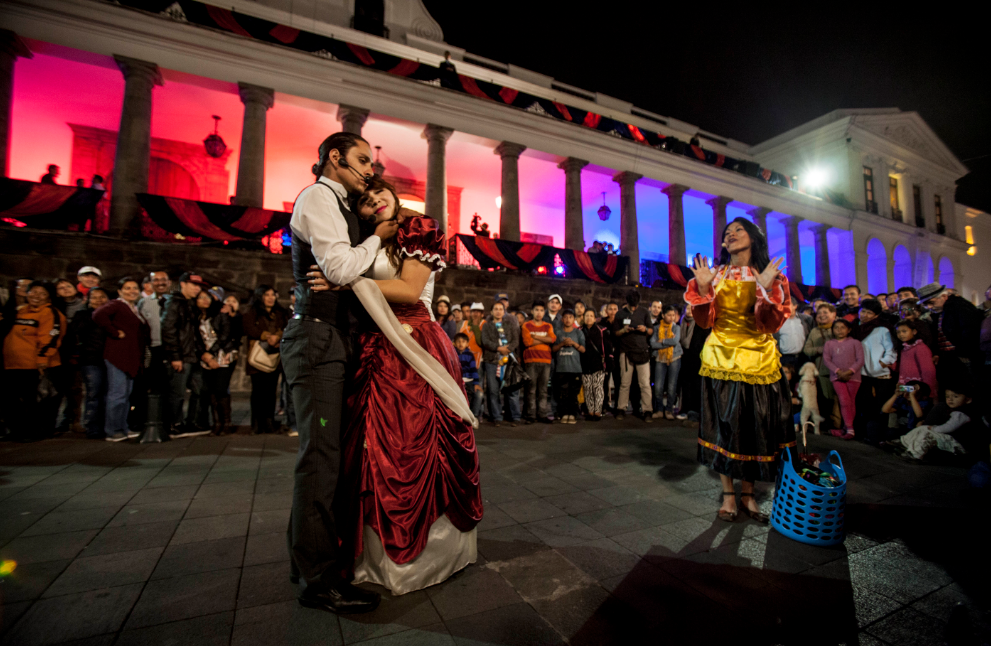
x: 872, y: 305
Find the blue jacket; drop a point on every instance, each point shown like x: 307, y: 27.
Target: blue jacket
x: 469, y: 371
x: 674, y: 342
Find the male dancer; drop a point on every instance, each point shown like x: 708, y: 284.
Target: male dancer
x: 315, y: 352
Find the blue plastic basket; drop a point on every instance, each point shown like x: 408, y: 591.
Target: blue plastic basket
x: 807, y: 512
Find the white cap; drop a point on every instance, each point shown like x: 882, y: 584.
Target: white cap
x: 553, y: 296
x: 89, y: 270
x: 477, y: 306
x: 443, y: 299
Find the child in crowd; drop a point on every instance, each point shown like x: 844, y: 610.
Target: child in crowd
x: 844, y: 356
x: 538, y: 337
x: 910, y: 403
x: 568, y: 369
x: 469, y: 372
x: 666, y: 344
x: 915, y: 361
x: 955, y: 428
x: 791, y: 381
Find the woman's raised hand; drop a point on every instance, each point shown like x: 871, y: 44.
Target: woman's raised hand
x: 704, y: 275
x: 771, y: 272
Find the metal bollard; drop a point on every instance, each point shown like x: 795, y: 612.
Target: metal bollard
x: 153, y: 426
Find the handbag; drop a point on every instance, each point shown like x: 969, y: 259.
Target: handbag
x: 515, y: 377
x: 263, y: 357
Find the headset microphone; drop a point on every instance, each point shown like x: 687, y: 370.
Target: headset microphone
x: 343, y: 163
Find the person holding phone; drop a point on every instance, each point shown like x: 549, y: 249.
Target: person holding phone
x: 631, y: 331
x: 746, y: 407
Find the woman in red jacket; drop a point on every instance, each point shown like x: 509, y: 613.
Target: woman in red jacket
x: 127, y: 337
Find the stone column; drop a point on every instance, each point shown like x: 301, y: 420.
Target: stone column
x: 891, y: 274
x: 629, y: 235
x: 718, y: 205
x: 11, y: 47
x: 822, y: 254
x: 435, y: 201
x: 793, y: 249
x: 509, y: 214
x: 676, y: 224
x: 133, y: 155
x: 352, y: 119
x: 574, y: 227
x: 759, y: 216
x: 251, y: 159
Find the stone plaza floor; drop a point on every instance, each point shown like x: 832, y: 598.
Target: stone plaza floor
x: 593, y: 534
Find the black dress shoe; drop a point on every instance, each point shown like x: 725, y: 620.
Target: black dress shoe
x: 342, y: 598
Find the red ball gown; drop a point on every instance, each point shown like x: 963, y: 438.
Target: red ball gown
x: 408, y: 498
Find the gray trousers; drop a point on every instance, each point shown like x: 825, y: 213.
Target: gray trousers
x: 537, y: 401
x: 315, y: 358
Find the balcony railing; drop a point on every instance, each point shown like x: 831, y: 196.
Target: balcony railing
x: 872, y: 207
x: 897, y: 215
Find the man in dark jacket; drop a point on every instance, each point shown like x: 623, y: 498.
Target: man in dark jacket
x: 179, y: 329
x: 956, y: 327
x: 631, y: 331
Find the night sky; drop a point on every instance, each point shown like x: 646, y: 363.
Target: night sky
x: 753, y: 73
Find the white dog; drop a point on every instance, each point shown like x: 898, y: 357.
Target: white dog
x: 807, y: 393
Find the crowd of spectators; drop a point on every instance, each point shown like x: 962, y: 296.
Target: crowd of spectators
x: 90, y: 355
x: 901, y: 371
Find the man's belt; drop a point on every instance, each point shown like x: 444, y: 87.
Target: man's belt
x: 304, y: 317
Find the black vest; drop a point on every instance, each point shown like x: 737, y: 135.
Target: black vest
x: 334, y: 307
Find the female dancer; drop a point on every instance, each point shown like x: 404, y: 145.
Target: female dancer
x: 408, y: 498
x: 746, y: 411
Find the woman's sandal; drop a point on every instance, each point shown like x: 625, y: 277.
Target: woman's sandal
x: 759, y: 516
x: 728, y: 516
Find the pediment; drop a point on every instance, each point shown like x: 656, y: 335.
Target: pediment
x: 909, y: 130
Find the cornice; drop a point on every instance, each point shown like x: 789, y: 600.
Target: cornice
x: 108, y: 30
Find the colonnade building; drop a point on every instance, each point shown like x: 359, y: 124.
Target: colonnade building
x: 129, y: 90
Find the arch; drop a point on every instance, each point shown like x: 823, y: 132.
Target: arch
x: 877, y: 267
x: 165, y: 177
x: 903, y: 267
x: 947, y: 275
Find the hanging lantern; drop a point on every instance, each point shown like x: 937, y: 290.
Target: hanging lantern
x: 378, y: 168
x: 215, y: 146
x: 604, y: 211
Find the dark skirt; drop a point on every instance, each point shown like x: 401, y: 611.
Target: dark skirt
x: 744, y: 428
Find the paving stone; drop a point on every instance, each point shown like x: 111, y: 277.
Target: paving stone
x: 163, y: 494
x: 106, y: 571
x: 226, y: 489
x: 394, y: 615
x: 266, y: 548
x: 508, y: 542
x: 907, y: 626
x: 74, y: 616
x: 152, y: 512
x: 526, y: 511
x: 515, y: 625
x: 611, y: 521
x: 548, y: 486
x: 131, y: 537
x: 210, y: 528
x: 219, y: 506
x: 58, y: 522
x: 49, y: 547
x: 268, y: 502
x: 541, y: 575
x: 601, y: 558
x: 506, y: 493
x: 654, y: 513
x: 563, y: 530
x: 201, y: 556
x: 29, y: 580
x: 301, y: 627
x: 211, y: 630
x: 266, y: 522
x: 93, y: 500
x: 265, y: 584
x: 577, y: 502
x: 473, y: 590
x: 184, y: 597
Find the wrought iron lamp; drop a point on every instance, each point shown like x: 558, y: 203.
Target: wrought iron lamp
x: 214, y: 144
x: 604, y: 211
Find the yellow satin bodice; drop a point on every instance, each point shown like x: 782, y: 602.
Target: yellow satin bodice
x: 735, y: 350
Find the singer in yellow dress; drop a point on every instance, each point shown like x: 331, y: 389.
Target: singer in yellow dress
x: 746, y: 408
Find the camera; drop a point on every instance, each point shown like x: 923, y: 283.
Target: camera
x: 904, y: 388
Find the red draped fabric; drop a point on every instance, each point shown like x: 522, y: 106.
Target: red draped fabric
x: 508, y: 94
x: 253, y: 220
x: 585, y: 263
x: 563, y: 109
x: 471, y: 87
x: 405, y: 68
x: 225, y: 19
x: 284, y: 34
x: 489, y: 248
x: 193, y: 217
x: 363, y: 54
x: 529, y: 251
x: 43, y: 198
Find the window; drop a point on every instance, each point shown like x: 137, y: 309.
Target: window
x: 920, y: 217
x: 896, y: 212
x: 869, y: 190
x: 940, y: 227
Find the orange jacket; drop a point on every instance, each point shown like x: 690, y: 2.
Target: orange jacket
x: 34, y: 340
x: 474, y: 344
